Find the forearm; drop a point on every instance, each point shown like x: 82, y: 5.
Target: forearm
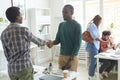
x: 30, y: 37
x: 38, y: 41
x: 55, y: 42
x: 99, y: 39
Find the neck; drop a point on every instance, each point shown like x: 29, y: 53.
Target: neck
x: 69, y: 20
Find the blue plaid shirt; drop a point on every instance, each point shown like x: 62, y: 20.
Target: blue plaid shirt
x: 16, y: 44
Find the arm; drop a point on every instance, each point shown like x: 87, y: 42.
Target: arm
x: 33, y: 38
x: 78, y: 40
x: 112, y: 43
x: 94, y: 35
x: 99, y: 39
x: 57, y: 39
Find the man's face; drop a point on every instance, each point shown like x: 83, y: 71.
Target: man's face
x: 19, y: 18
x: 67, y: 13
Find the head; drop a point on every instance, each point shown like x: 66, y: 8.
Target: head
x: 106, y: 35
x: 97, y: 20
x: 68, y: 11
x: 13, y: 15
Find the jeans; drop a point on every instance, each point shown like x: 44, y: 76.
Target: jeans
x: 107, y: 65
x: 92, y: 51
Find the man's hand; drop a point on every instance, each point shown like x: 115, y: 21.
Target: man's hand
x: 69, y: 63
x: 50, y: 44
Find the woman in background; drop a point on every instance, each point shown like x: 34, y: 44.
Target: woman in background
x: 93, y: 48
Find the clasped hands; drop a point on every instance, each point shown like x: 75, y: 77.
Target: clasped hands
x: 49, y: 44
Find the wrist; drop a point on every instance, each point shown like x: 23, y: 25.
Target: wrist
x: 72, y: 57
x: 54, y: 43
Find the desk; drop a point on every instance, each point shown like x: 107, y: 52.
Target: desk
x: 40, y: 69
x: 111, y: 56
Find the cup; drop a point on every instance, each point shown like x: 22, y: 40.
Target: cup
x: 65, y: 73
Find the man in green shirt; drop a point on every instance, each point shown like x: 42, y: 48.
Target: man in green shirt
x: 70, y: 38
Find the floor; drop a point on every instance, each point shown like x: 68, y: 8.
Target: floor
x: 112, y: 76
x: 81, y: 69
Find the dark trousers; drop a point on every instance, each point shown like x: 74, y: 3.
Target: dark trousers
x: 107, y: 65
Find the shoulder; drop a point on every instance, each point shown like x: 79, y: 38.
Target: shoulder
x: 91, y: 26
x: 20, y: 27
x: 24, y: 28
x: 3, y: 33
x: 77, y: 24
x: 62, y: 23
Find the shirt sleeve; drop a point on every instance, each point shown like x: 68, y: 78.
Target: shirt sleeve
x: 57, y: 39
x: 93, y: 32
x: 78, y: 39
x: 33, y: 38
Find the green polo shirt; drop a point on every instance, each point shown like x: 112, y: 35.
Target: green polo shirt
x: 69, y: 35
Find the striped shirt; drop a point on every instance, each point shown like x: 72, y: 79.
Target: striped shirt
x: 16, y: 44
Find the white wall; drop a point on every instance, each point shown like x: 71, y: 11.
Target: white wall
x: 39, y: 3
x: 34, y: 4
x: 56, y: 15
x: 4, y: 4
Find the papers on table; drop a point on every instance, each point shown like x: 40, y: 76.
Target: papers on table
x: 58, y: 72
x: 110, y: 54
x: 110, y: 51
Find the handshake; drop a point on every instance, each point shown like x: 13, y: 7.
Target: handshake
x: 49, y: 44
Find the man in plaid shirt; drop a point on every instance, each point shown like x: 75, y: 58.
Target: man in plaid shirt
x: 16, y: 44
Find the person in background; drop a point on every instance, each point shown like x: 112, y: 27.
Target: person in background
x: 16, y: 44
x: 107, y: 65
x: 93, y: 48
x: 69, y: 35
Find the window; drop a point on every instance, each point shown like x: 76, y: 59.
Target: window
x: 78, y: 11
x: 92, y: 9
x: 112, y: 17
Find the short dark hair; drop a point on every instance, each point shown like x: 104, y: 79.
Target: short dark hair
x: 70, y: 7
x: 106, y: 33
x: 12, y: 13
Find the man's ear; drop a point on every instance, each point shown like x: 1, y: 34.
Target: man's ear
x: 17, y: 18
x: 72, y: 12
